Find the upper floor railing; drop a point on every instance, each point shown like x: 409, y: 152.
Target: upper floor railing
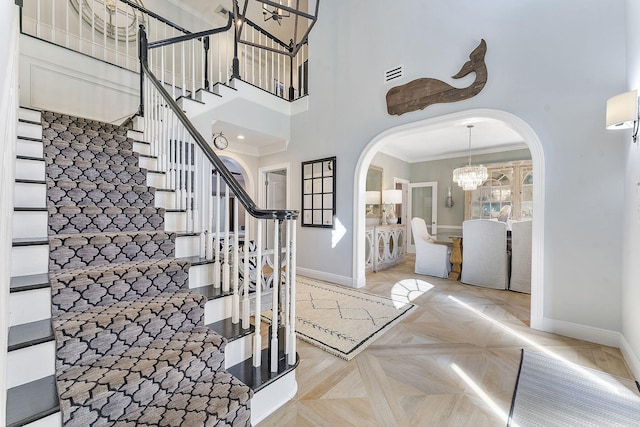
x: 108, y: 30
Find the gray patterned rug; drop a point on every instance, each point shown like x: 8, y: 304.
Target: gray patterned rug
x: 342, y: 321
x: 553, y: 392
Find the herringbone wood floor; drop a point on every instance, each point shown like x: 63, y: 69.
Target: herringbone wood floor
x: 413, y: 374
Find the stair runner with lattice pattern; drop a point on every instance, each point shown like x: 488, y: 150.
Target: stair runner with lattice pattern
x: 131, y: 348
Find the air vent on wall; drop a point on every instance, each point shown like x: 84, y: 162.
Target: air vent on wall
x: 222, y: 11
x: 393, y: 74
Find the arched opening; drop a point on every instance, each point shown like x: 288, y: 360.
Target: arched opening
x: 537, y: 157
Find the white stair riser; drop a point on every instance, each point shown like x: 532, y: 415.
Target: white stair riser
x: 29, y: 130
x: 273, y: 396
x: 26, y: 260
x: 53, y: 420
x: 148, y: 163
x: 238, y: 350
x: 175, y: 221
x: 29, y: 148
x: 29, y: 169
x: 217, y: 310
x: 192, y: 108
x: 29, y: 224
x: 30, y: 363
x: 136, y: 134
x: 141, y: 148
x: 156, y: 180
x: 28, y: 195
x: 31, y: 115
x: 29, y: 306
x: 187, y: 246
x: 165, y: 199
x: 200, y: 275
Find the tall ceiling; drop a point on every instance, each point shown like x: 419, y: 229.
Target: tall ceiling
x: 487, y: 136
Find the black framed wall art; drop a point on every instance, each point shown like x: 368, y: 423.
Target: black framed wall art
x: 319, y: 192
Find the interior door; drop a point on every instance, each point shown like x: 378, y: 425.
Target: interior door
x: 275, y: 197
x: 423, y: 197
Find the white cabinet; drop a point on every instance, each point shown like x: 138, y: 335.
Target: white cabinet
x: 385, y: 246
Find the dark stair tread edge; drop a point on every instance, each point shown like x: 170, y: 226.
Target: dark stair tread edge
x: 37, y: 159
x: 226, y: 85
x: 29, y: 282
x: 28, y: 138
x: 189, y: 98
x: 165, y: 190
x: 260, y: 377
x: 186, y: 233
x: 32, y: 401
x: 148, y: 156
x: 31, y: 181
x: 29, y: 334
x: 23, y: 107
x: 231, y: 331
x: 210, y: 292
x: 31, y: 122
x: 175, y: 210
x: 156, y: 171
x: 197, y: 260
x: 208, y: 91
x: 21, y: 209
x: 140, y: 141
x: 30, y: 241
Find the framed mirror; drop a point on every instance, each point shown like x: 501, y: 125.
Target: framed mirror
x: 373, y: 195
x: 319, y: 192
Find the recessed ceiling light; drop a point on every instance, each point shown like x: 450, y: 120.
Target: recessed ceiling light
x: 240, y: 136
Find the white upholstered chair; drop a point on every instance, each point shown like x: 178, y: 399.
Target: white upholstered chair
x: 521, y: 257
x: 431, y: 258
x: 485, y: 261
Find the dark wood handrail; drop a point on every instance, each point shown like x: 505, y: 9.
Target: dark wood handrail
x: 191, y: 36
x: 235, y: 186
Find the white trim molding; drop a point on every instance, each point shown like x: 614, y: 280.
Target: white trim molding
x: 327, y: 277
x: 630, y: 357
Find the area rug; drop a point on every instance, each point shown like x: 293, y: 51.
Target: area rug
x: 553, y: 392
x: 342, y: 321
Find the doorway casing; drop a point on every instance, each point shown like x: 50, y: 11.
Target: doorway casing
x: 421, y: 126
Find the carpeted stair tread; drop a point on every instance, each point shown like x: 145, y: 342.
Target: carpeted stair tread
x: 223, y: 401
x: 107, y: 219
x: 66, y: 192
x: 112, y: 384
x: 88, y: 151
x: 80, y: 289
x: 87, y: 170
x: 83, y: 337
x: 78, y: 250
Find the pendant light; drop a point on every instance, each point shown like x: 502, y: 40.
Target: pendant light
x: 470, y: 177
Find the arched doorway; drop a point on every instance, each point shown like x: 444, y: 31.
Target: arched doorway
x: 537, y: 158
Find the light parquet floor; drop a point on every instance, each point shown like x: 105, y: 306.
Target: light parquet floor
x: 414, y: 374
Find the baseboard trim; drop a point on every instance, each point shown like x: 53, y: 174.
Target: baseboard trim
x: 630, y: 357
x: 327, y: 277
x: 582, y: 332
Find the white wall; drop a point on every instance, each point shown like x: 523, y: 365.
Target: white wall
x: 556, y: 76
x: 8, y: 105
x: 631, y: 247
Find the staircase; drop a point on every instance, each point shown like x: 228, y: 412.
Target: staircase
x: 114, y: 319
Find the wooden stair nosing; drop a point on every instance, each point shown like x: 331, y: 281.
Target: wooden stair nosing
x: 29, y: 282
x: 229, y: 330
x: 31, y: 122
x: 29, y: 334
x: 32, y: 401
x: 30, y: 241
x: 260, y: 377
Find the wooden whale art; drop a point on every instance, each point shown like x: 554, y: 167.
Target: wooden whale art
x: 420, y: 93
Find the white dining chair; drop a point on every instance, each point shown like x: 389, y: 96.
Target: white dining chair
x: 521, y: 257
x: 431, y: 258
x: 485, y: 261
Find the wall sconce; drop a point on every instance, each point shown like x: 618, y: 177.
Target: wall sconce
x: 391, y: 197
x: 622, y: 112
x: 448, y: 203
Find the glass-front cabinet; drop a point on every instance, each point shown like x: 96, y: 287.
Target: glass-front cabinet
x: 509, y: 184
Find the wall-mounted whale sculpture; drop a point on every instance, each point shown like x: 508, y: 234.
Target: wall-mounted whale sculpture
x: 420, y: 93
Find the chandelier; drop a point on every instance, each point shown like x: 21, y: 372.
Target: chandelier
x: 276, y: 14
x: 470, y: 177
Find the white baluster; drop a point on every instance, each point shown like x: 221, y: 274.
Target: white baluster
x: 217, y: 265
x: 189, y: 183
x: 291, y: 268
x: 246, y: 309
x: 257, y: 337
x: 235, y: 309
x: 183, y: 56
x: 274, y: 301
x: 226, y: 270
